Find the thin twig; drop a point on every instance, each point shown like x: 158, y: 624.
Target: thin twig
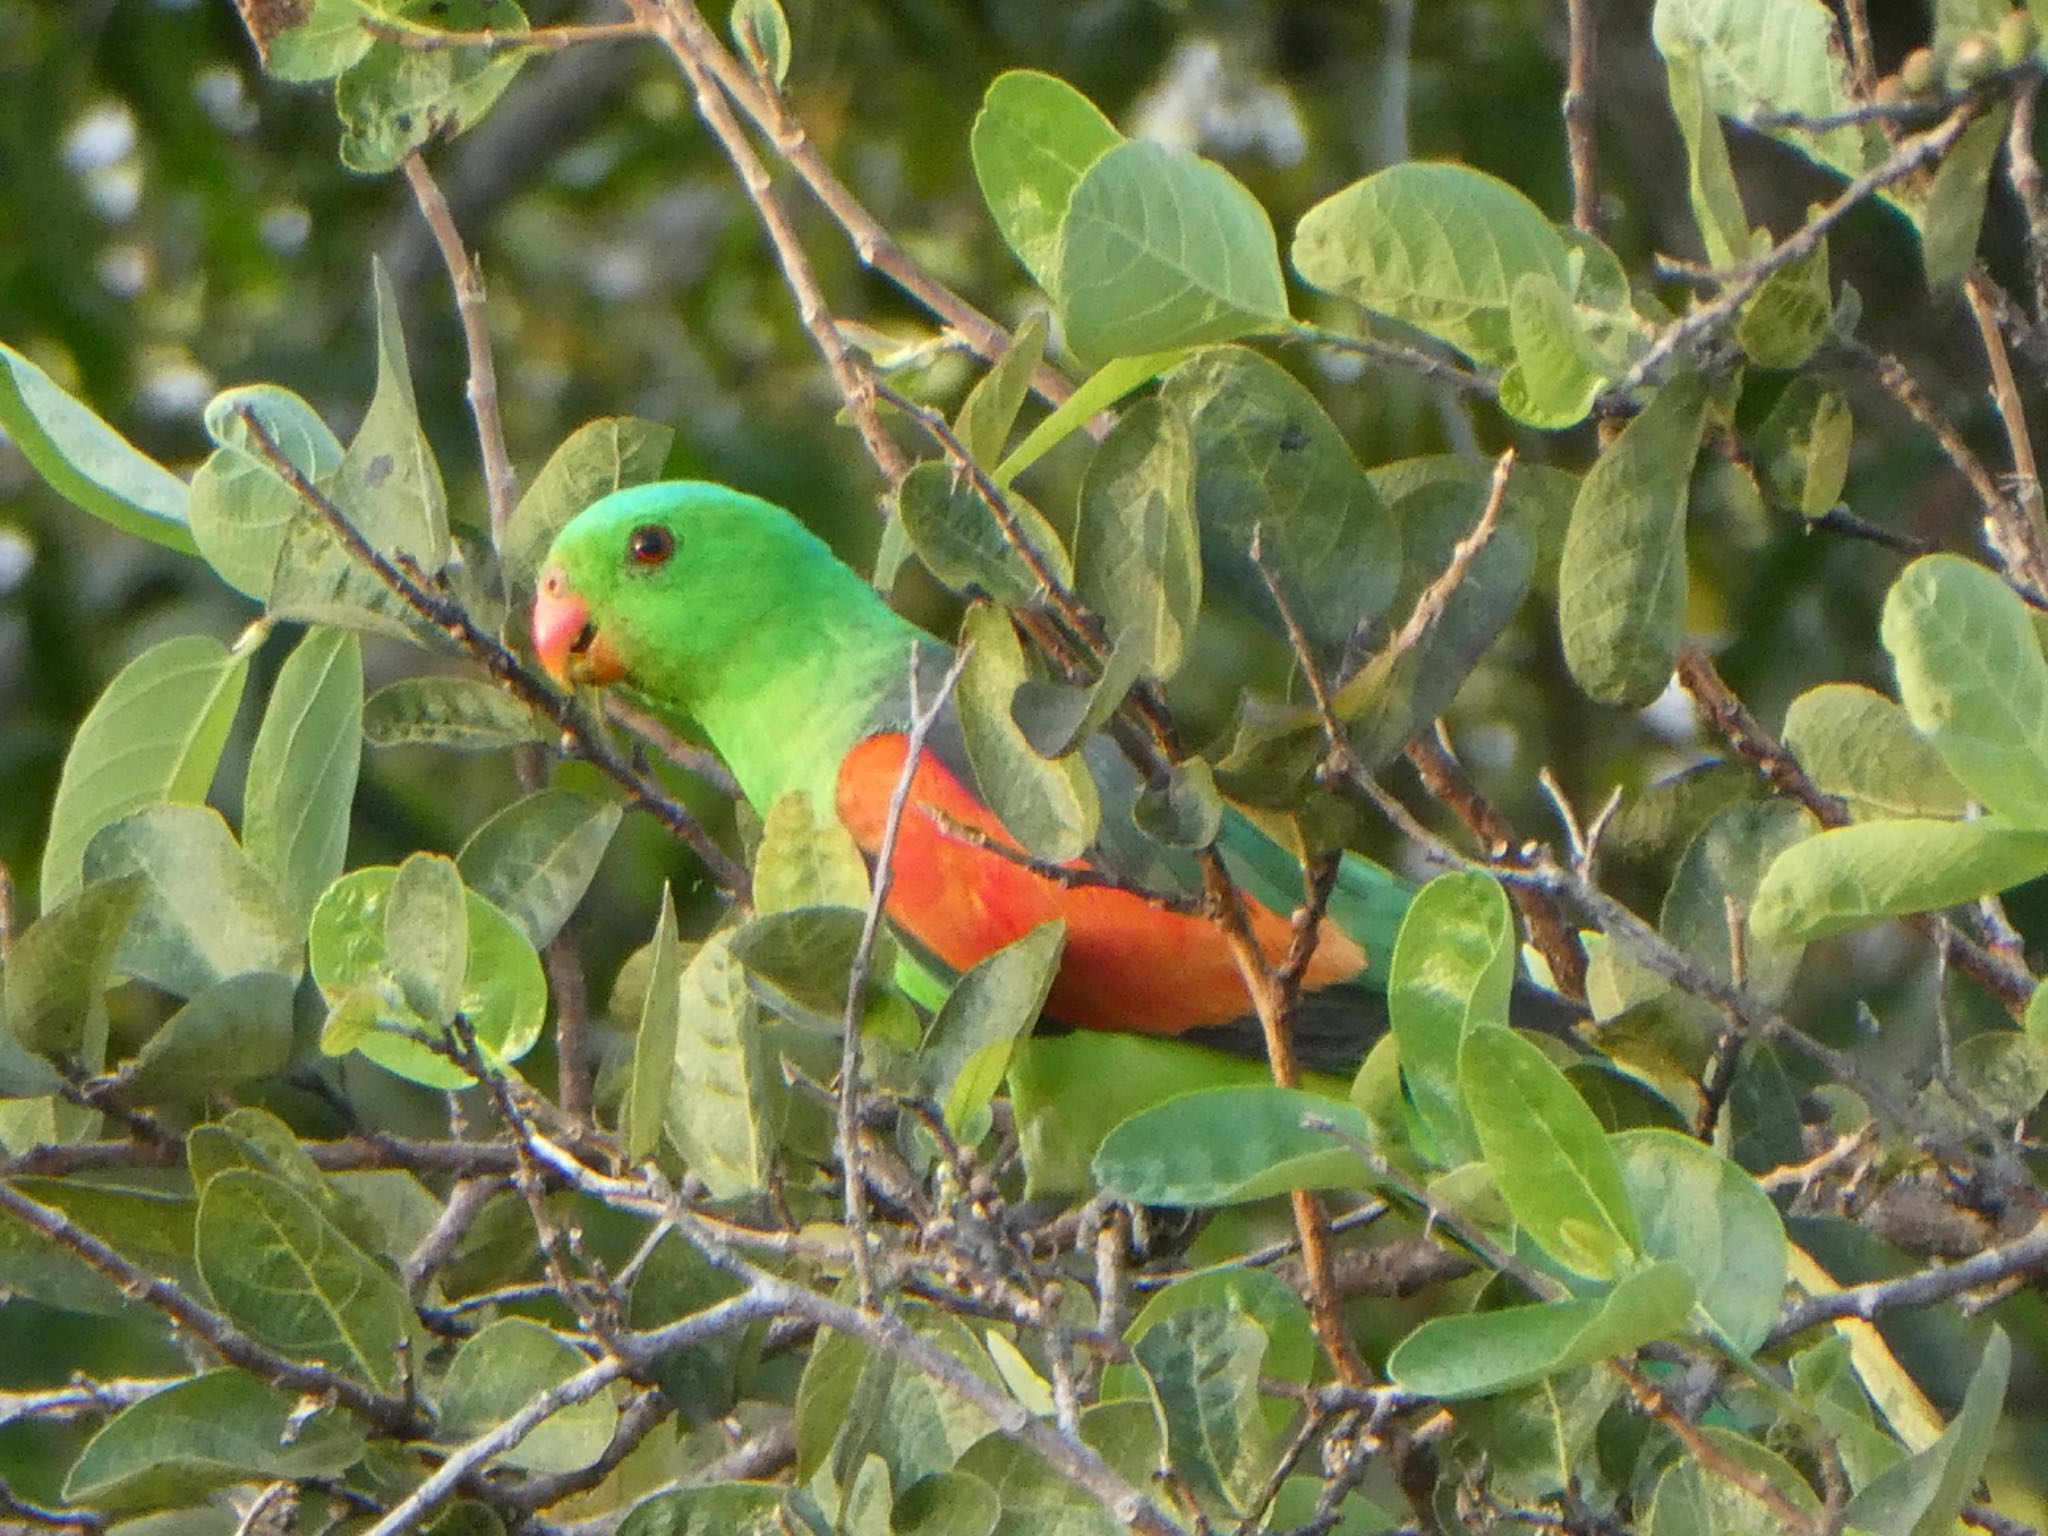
x: 1656, y: 1404
x: 1862, y: 53
x: 1841, y: 520
x: 692, y: 759
x: 2023, y: 170
x: 2023, y: 1255
x: 1579, y: 117
x: 875, y: 246
x: 491, y: 40
x: 1428, y: 365
x: 223, y: 1337
x: 1073, y: 877
x: 2025, y: 535
x: 500, y: 486
x: 924, y: 715
x: 452, y: 619
x: 671, y: 22
x: 1911, y: 156
x: 83, y: 1398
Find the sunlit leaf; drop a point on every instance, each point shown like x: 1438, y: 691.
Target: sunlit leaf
x: 301, y: 782
x: 500, y: 1371
x: 534, y: 859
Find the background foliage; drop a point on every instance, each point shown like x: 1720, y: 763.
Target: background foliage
x: 175, y: 222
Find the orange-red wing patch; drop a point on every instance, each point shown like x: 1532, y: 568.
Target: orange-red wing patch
x: 1128, y: 965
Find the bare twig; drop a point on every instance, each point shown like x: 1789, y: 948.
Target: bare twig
x: 1428, y: 365
x: 491, y: 40
x: 465, y: 1202
x: 694, y: 760
x: 500, y: 486
x: 1862, y: 54
x: 1841, y: 520
x: 1579, y: 116
x: 452, y: 619
x: 224, y: 1338
x: 672, y: 23
x: 1656, y: 1404
x: 2022, y: 530
x: 82, y: 1399
x: 2023, y: 170
x: 875, y: 246
x: 2023, y: 1255
x: 1910, y: 157
x: 1073, y: 877
x: 924, y: 714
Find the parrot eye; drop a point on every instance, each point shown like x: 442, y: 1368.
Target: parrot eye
x: 650, y: 544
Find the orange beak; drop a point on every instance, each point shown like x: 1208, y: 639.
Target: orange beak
x: 570, y: 647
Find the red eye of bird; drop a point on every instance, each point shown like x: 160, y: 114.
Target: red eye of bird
x: 651, y: 544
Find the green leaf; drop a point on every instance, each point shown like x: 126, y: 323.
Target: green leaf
x: 426, y: 943
x: 800, y: 960
x: 1452, y: 971
x: 1435, y: 500
x: 154, y: 735
x: 1789, y: 317
x: 967, y: 1049
x: 1138, y: 559
x: 1058, y: 718
x: 499, y: 1372
x: 1860, y: 744
x: 279, y: 1269
x: 962, y: 542
x: 503, y: 996
x: 1779, y: 56
x: 534, y: 859
x: 2003, y: 1072
x: 307, y: 43
x: 1716, y: 198
x: 86, y: 461
x: 1160, y: 249
x: 711, y: 1509
x: 388, y: 485
x: 761, y: 33
x: 1727, y: 859
x: 1852, y: 876
x: 947, y: 1504
x: 1704, y: 1214
x: 1454, y: 1358
x: 990, y: 409
x: 1691, y: 1500
x: 1268, y: 460
x: 463, y: 714
x: 319, y: 579
x: 236, y: 1031
x: 1621, y: 589
x: 599, y: 457
x: 654, y: 1043
x: 725, y: 1101
x: 1049, y: 805
x: 1802, y: 448
x: 301, y: 782
x: 1955, y: 203
x: 1922, y: 1495
x: 210, y: 1432
x: 1548, y: 1154
x: 1229, y: 1146
x: 240, y: 509
x: 1438, y: 246
x: 854, y: 1402
x: 1183, y: 809
x: 149, y: 1229
x: 61, y: 964
x: 1973, y: 681
x: 807, y: 859
x: 399, y: 99
x: 251, y: 1138
x: 207, y: 911
x: 1558, y: 371
x: 1097, y: 393
x: 1292, y: 1353
x: 1204, y: 1363
x: 1033, y: 140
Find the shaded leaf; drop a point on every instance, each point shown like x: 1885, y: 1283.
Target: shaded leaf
x: 59, y: 967
x: 962, y: 542
x: 464, y: 714
x: 1621, y: 587
x: 807, y: 859
x: 1922, y: 1495
x: 654, y: 1043
x: 154, y: 735
x: 212, y: 1431
x: 1955, y: 203
x: 499, y: 1371
x: 1204, y: 1363
x: 1691, y: 1500
x: 1858, y: 744
x: 1182, y: 810
x: 990, y: 409
x: 534, y: 859
x: 1802, y: 448
x: 967, y: 1049
x: 301, y: 782
x: 86, y: 461
x: 1789, y: 317
x: 278, y: 1268
x: 1716, y: 198
x: 207, y: 911
x: 1049, y: 805
x: 1726, y: 860
x: 599, y: 457
x: 725, y: 1101
x: 1227, y: 1146
x: 1138, y: 557
x: 235, y: 1031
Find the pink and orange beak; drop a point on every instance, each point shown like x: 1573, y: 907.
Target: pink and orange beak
x: 569, y: 645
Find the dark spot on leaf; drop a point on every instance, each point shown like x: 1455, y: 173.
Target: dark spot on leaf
x: 439, y: 7
x: 1293, y: 437
x: 404, y: 122
x: 379, y: 471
